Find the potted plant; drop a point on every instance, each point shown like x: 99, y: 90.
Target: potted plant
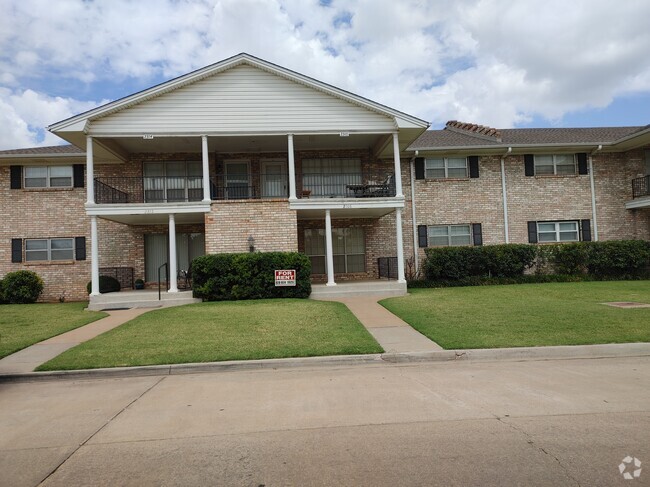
x: 139, y: 284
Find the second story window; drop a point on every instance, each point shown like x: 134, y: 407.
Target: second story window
x: 48, y: 177
x: 445, y: 167
x: 555, y: 164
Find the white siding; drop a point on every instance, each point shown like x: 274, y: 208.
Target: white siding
x: 242, y: 99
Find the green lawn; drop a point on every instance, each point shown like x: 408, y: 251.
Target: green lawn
x: 22, y: 325
x: 527, y: 314
x: 234, y: 330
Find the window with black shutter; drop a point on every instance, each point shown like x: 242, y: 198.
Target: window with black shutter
x: 78, y: 175
x: 585, y: 228
x: 583, y: 167
x: 422, y: 236
x: 473, y: 166
x: 419, y: 168
x: 16, y: 177
x: 532, y: 232
x: 529, y: 164
x: 477, y: 233
x: 80, y: 248
x: 16, y: 250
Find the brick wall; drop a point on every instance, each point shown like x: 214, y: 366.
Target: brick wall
x: 270, y: 222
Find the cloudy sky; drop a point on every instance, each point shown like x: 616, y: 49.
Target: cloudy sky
x: 502, y: 63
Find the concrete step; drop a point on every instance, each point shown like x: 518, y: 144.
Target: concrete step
x: 140, y: 299
x: 362, y: 288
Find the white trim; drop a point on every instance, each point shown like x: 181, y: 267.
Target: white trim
x: 398, y: 167
x: 291, y: 168
x: 345, y: 203
x: 593, y: 198
x: 205, y: 164
x: 173, y: 264
x: 224, y: 65
x: 94, y: 257
x: 148, y: 208
x: 90, y: 172
x: 638, y: 203
x: 329, y: 257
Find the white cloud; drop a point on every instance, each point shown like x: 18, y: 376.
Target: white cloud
x: 494, y: 62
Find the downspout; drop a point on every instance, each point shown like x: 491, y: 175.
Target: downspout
x: 505, y: 197
x: 593, y: 191
x: 415, y: 228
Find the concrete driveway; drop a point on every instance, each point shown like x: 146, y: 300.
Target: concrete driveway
x: 564, y: 422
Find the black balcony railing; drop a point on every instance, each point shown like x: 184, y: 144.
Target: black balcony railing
x: 347, y: 185
x: 641, y: 187
x: 148, y: 189
x: 152, y: 189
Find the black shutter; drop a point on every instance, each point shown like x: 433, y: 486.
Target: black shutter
x: 529, y: 164
x: 477, y: 233
x: 532, y: 232
x: 422, y: 236
x: 16, y: 250
x: 419, y: 168
x: 78, y: 175
x: 473, y: 166
x: 80, y: 248
x: 585, y: 227
x: 582, y: 163
x: 16, y: 177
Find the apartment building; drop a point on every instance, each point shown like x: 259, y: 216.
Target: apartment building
x: 245, y: 155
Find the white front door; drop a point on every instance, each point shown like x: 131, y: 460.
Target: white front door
x: 274, y: 179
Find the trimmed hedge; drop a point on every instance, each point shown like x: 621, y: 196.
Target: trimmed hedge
x: 21, y: 287
x: 107, y: 284
x: 471, y: 266
x: 454, y: 263
x: 227, y: 277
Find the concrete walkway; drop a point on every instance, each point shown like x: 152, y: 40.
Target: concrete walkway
x: 27, y: 359
x: 393, y: 334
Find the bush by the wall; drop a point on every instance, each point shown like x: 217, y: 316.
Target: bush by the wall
x: 569, y: 258
x: 454, y: 263
x: 619, y: 258
x: 107, y: 284
x: 2, y: 294
x: 224, y: 277
x: 21, y: 287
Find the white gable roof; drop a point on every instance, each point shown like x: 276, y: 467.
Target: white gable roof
x: 239, y: 94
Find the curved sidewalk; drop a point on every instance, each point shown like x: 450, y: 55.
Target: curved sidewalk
x: 27, y: 359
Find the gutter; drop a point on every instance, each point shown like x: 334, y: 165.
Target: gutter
x: 506, y: 229
x: 413, y: 223
x: 593, y: 191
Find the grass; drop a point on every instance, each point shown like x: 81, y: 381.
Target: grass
x: 234, y: 330
x: 22, y: 325
x: 527, y: 314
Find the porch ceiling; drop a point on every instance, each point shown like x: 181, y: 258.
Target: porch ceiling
x: 317, y: 214
x: 245, y: 143
x: 156, y: 219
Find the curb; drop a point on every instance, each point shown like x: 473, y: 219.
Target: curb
x: 519, y: 354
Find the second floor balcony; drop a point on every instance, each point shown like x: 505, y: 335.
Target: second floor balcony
x: 244, y: 186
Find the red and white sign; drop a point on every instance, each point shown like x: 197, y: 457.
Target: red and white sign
x: 285, y: 277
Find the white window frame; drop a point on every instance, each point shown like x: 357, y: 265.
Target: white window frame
x: 557, y: 232
x: 166, y: 184
x: 555, y: 164
x: 49, y: 249
x: 48, y: 177
x: 449, y: 235
x: 445, y: 163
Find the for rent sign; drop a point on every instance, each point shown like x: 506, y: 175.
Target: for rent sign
x: 285, y: 277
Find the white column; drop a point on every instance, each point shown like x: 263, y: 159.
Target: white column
x: 398, y: 167
x: 292, y: 168
x: 400, y: 247
x: 90, y: 172
x: 329, y: 257
x: 206, y: 169
x: 173, y: 286
x: 94, y: 257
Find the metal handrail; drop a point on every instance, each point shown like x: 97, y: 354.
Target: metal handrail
x: 160, y: 280
x: 641, y: 187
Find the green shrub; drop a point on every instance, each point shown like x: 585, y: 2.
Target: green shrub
x: 453, y: 263
x: 107, y: 284
x: 225, y: 277
x: 21, y: 287
x: 2, y: 294
x: 619, y: 258
x: 569, y: 258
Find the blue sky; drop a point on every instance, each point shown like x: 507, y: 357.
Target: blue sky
x: 493, y: 62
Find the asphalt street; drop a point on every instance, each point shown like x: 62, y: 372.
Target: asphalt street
x: 553, y: 422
